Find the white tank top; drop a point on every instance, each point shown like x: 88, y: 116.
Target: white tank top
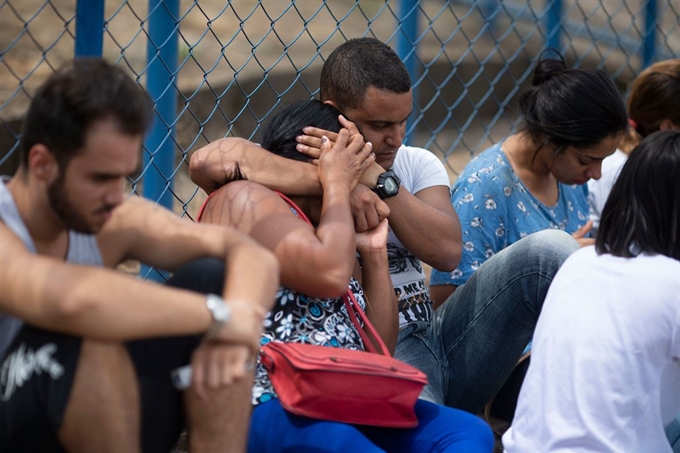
x: 82, y: 249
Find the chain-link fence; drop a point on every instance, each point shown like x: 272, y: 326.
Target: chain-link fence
x: 217, y: 68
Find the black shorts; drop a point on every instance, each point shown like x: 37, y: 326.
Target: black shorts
x: 37, y: 377
x: 38, y: 370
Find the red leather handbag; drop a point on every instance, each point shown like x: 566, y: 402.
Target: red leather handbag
x: 356, y: 387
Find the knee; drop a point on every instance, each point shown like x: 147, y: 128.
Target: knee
x: 477, y: 437
x: 550, y: 247
x: 480, y: 436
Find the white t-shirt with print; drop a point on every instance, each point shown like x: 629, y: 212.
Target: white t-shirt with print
x: 418, y: 169
x: 605, y: 350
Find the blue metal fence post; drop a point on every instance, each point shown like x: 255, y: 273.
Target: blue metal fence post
x: 407, y: 47
x: 489, y: 8
x: 162, y: 56
x: 89, y: 28
x: 649, y: 49
x: 554, y: 24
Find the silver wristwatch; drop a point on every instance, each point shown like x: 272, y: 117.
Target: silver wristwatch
x: 221, y: 313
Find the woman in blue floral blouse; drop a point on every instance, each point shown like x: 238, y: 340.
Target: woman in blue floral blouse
x: 536, y: 178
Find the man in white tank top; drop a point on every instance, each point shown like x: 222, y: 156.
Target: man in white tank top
x: 86, y: 353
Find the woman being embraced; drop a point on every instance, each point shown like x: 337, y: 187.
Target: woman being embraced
x: 535, y: 179
x: 318, y: 265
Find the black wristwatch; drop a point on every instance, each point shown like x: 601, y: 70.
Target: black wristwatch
x: 388, y: 185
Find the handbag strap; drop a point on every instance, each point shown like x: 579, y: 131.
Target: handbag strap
x: 350, y: 301
x: 353, y: 309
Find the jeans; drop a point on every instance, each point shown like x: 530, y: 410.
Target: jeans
x: 479, y: 333
x: 440, y: 429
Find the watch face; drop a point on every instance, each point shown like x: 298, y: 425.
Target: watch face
x: 391, y: 185
x: 222, y: 312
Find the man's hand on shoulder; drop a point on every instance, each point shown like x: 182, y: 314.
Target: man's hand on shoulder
x: 219, y: 163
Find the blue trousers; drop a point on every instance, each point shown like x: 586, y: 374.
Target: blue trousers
x: 440, y: 429
x: 478, y: 334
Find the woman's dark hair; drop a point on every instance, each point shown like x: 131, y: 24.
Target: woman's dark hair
x: 652, y: 99
x: 571, y: 107
x: 278, y: 134
x: 74, y: 98
x: 642, y: 214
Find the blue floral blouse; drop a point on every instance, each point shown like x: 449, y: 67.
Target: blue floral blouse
x: 496, y: 210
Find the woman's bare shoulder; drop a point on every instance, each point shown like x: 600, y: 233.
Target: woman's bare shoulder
x: 241, y: 204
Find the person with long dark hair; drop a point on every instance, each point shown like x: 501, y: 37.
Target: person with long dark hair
x: 609, y: 333
x: 535, y: 179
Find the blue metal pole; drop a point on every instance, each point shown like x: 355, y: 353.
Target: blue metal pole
x: 649, y: 49
x: 407, y: 47
x: 162, y: 56
x: 554, y: 24
x: 488, y: 10
x: 89, y: 28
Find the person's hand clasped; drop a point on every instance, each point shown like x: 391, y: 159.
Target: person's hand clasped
x: 375, y: 239
x: 344, y: 161
x: 368, y: 209
x: 579, y: 235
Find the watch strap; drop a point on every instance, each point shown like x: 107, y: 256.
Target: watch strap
x: 220, y: 312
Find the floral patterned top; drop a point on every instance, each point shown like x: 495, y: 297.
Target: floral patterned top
x: 496, y: 210
x: 297, y: 318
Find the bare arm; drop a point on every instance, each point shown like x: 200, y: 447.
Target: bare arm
x: 381, y: 303
x: 102, y: 304
x: 425, y: 222
x: 328, y: 251
x: 143, y: 231
x: 231, y: 159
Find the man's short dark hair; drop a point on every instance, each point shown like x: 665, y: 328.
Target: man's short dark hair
x: 358, y: 64
x: 81, y: 93
x: 642, y: 214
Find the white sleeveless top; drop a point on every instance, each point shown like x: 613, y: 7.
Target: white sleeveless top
x: 82, y: 249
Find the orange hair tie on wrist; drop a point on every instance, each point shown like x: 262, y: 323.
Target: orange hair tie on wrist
x: 632, y: 123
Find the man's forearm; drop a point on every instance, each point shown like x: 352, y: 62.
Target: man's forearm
x: 98, y: 303
x: 431, y: 235
x: 230, y: 159
x: 428, y: 227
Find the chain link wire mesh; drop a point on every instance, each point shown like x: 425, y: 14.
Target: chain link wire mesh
x: 239, y: 60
